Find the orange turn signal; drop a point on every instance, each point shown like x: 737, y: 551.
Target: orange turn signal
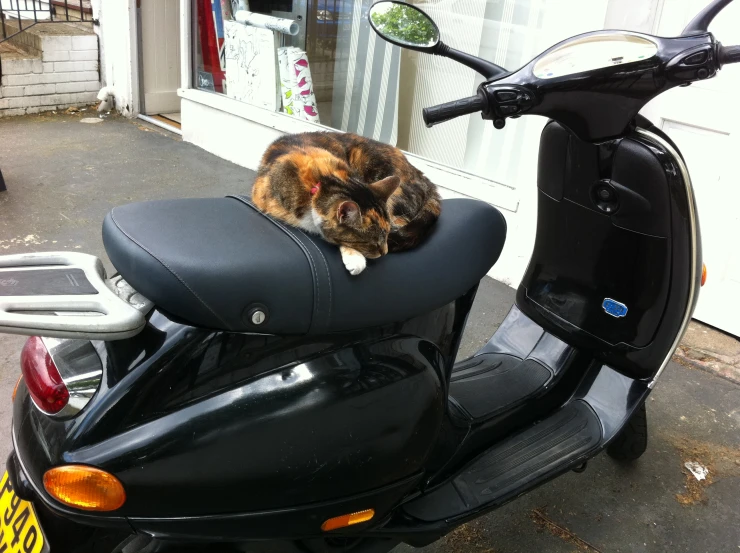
x: 703, y: 274
x: 85, y: 488
x: 348, y: 520
x: 15, y: 390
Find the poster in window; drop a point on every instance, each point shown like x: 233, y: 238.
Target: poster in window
x: 251, y: 74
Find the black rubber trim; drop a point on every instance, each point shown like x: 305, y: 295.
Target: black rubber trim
x: 496, y: 383
x: 514, y: 465
x: 51, y: 281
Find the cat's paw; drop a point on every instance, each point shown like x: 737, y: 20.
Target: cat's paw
x: 353, y: 260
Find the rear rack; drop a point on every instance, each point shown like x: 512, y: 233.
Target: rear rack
x: 65, y: 295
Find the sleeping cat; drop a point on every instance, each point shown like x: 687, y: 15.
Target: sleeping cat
x: 360, y: 194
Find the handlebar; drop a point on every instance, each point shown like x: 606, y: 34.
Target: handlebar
x: 571, y: 101
x: 450, y: 110
x: 728, y: 54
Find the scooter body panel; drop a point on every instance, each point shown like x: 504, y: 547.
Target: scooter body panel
x: 235, y: 423
x: 613, y: 277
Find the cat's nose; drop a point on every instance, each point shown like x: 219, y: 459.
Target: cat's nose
x: 384, y: 249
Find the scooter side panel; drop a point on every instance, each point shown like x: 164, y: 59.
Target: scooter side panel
x: 199, y: 423
x: 353, y: 420
x: 612, y: 278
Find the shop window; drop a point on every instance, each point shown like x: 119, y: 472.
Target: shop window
x: 349, y: 79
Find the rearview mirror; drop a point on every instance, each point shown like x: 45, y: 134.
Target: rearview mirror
x: 404, y: 25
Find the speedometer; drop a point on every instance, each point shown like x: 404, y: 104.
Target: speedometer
x: 594, y: 52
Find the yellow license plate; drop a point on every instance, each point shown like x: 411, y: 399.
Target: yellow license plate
x: 20, y: 531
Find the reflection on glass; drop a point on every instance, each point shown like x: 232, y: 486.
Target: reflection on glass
x: 594, y: 52
x: 404, y: 24
x: 374, y: 88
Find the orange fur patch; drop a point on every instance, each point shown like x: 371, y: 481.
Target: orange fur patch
x: 358, y: 159
x: 314, y: 163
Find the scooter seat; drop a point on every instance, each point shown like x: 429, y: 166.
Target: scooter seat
x: 219, y: 263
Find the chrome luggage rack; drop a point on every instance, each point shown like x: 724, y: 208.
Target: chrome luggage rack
x: 67, y: 295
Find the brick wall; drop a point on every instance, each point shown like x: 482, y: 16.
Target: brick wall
x: 65, y: 73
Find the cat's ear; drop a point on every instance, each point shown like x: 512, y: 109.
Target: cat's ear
x: 384, y: 188
x: 348, y: 213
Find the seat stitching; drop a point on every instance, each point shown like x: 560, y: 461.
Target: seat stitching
x: 305, y: 251
x: 301, y: 245
x: 113, y: 218
x: 328, y: 280
x: 318, y: 289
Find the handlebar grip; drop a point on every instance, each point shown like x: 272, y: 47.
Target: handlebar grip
x: 450, y: 110
x: 729, y: 54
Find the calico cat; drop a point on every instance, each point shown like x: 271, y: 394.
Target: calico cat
x: 360, y: 194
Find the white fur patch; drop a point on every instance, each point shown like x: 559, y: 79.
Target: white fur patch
x: 353, y: 260
x: 311, y: 222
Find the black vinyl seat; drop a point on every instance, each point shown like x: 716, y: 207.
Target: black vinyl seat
x: 213, y: 262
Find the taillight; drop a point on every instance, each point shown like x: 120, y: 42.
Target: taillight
x: 42, y: 377
x: 62, y: 376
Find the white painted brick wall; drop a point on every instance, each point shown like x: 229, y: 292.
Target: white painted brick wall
x: 56, y: 43
x: 12, y: 112
x: 86, y: 42
x: 55, y: 55
x: 87, y: 97
x: 40, y: 109
x: 39, y: 89
x: 21, y: 80
x: 21, y: 67
x: 83, y: 55
x: 48, y: 100
x: 69, y: 87
x: 70, y: 77
x: 66, y: 74
x: 67, y: 66
x: 13, y: 91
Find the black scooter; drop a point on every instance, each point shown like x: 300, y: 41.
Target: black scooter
x: 233, y: 388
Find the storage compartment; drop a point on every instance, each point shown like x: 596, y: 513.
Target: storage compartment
x: 581, y: 260
x: 601, y: 266
x: 66, y: 295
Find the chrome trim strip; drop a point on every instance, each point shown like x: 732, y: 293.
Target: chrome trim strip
x: 690, y: 304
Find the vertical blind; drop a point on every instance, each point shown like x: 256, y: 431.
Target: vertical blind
x: 366, y: 79
x: 510, y: 33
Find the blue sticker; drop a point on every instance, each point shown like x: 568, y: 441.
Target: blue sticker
x: 614, y: 308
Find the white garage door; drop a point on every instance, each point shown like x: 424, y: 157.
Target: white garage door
x: 704, y: 121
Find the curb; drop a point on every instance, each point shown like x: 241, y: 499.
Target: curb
x: 698, y: 359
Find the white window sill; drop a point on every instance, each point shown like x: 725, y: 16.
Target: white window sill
x: 459, y: 182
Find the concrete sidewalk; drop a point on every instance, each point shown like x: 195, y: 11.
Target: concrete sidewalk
x: 64, y: 176
x: 709, y: 349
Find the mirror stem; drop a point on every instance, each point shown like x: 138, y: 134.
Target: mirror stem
x: 486, y: 68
